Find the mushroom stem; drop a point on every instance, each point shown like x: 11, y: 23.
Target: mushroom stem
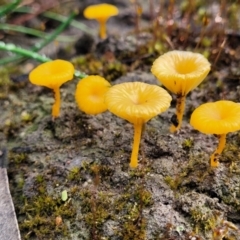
x: 136, y: 142
x: 214, y: 157
x: 179, y: 112
x: 102, y: 28
x: 56, y: 105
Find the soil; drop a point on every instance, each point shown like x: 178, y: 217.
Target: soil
x: 173, y: 193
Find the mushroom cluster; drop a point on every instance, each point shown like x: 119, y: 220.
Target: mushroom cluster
x: 180, y: 72
x: 137, y: 102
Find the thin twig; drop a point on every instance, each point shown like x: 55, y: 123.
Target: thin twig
x: 220, y: 51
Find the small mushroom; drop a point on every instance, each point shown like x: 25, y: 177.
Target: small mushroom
x: 90, y: 94
x: 180, y: 72
x: 52, y: 75
x: 137, y: 102
x: 219, y: 118
x: 101, y: 12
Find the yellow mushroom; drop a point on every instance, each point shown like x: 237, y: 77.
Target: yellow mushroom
x: 90, y: 94
x: 52, y: 75
x: 180, y: 72
x: 101, y: 12
x: 219, y: 118
x: 137, y: 102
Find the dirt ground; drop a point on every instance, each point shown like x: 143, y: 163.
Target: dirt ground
x: 173, y: 193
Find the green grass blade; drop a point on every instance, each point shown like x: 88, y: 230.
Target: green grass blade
x: 4, y: 10
x: 74, y: 23
x: 23, y: 52
x: 33, y: 32
x: 40, y: 45
x: 60, y: 18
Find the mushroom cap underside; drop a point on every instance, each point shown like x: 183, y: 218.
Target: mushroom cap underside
x: 219, y: 117
x: 52, y: 74
x: 181, y: 71
x: 137, y: 101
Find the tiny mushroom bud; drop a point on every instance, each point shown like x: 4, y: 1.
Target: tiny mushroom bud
x: 101, y: 12
x: 90, y: 94
x: 219, y: 118
x: 58, y: 220
x: 137, y: 102
x: 52, y: 75
x: 180, y: 72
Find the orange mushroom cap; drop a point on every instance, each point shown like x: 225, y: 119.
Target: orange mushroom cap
x: 90, y: 94
x: 136, y: 101
x: 181, y: 71
x: 52, y: 74
x: 100, y: 11
x: 219, y: 117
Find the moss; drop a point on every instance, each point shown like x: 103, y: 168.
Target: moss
x: 175, y: 182
x: 129, y: 207
x: 140, y: 172
x: 74, y: 191
x: 171, y: 182
x: 104, y: 66
x: 20, y: 181
x: 78, y: 174
x: 95, y: 210
x: 230, y: 153
x: 171, y: 231
x: 41, y: 227
x: 187, y: 144
x: 74, y: 174
x: 39, y: 178
x: 231, y: 200
x: 135, y: 230
x: 114, y: 70
x: 18, y: 158
x: 12, y: 127
x: 38, y: 213
x: 203, y: 219
x: 126, y: 208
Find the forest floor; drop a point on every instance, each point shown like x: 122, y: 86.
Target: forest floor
x: 173, y: 193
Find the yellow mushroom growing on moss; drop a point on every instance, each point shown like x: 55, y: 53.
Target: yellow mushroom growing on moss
x: 219, y: 118
x: 90, y: 94
x: 101, y: 12
x: 180, y: 72
x: 52, y: 75
x: 137, y: 102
